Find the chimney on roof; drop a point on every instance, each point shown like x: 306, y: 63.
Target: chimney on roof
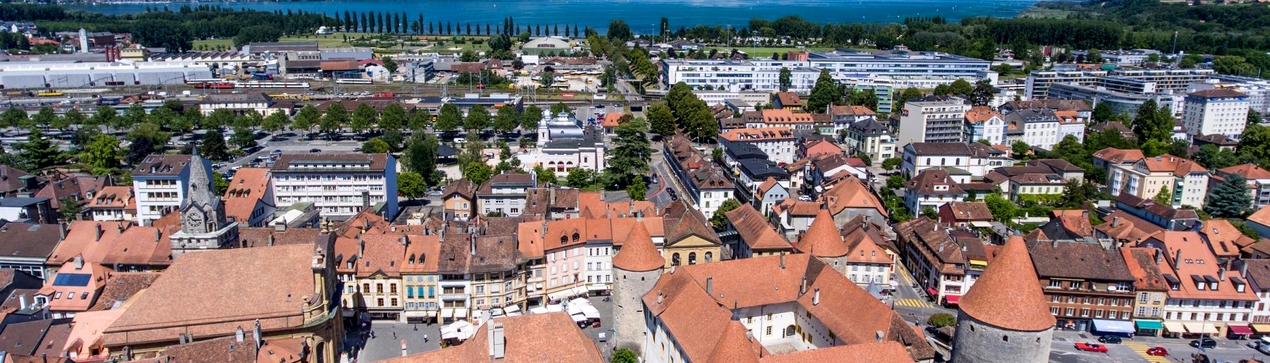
x: 180, y: 338
x: 99, y: 231
x: 258, y: 336
x: 1159, y: 257
x: 22, y: 301
x: 1053, y: 244
x: 1115, y: 221
x: 239, y: 335
x: 782, y: 260
x: 361, y: 245
x: 1177, y: 260
x: 471, y: 242
x: 79, y: 262
x: 802, y: 289
x: 497, y: 341
x: 271, y: 239
x: 158, y: 235
x: 1243, y: 268
x: 61, y: 228
x: 879, y: 336
x: 710, y: 285
x: 405, y: 241
x: 815, y: 296
x: 280, y: 226
x: 1221, y: 274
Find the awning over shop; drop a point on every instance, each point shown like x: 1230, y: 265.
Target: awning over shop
x: 980, y: 224
x: 460, y: 313
x: 511, y: 309
x: 1261, y: 328
x: 931, y: 290
x: 952, y: 299
x: 1200, y: 328
x: 1113, y: 326
x: 1240, y: 329
x: 1174, y: 327
x: 565, y: 294
x: 538, y: 310
x: 578, y: 318
x: 1149, y: 324
x: 597, y: 287
x: 447, y: 313
x: 590, y: 312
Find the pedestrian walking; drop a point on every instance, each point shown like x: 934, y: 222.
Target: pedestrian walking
x: 425, y: 338
x: 394, y: 335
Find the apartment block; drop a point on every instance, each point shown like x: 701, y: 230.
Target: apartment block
x: 338, y: 185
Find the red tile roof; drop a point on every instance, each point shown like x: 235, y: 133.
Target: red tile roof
x: 822, y: 238
x: 247, y: 188
x: 536, y: 338
x: 1008, y: 294
x: 638, y: 253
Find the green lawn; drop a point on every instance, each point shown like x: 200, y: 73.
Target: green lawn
x: 440, y: 44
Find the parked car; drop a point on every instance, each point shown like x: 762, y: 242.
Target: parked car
x: 315, y: 150
x: 1091, y: 347
x: 1206, y: 342
x: 1109, y: 339
x: 1158, y: 351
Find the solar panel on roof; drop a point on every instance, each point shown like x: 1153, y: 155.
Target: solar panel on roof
x: 33, y: 228
x: 68, y: 279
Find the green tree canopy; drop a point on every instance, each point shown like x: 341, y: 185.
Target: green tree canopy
x: 364, y: 117
x: 212, y: 146
x: 308, y: 117
x: 102, y: 153
x: 720, y: 219
x: 1230, y: 199
x: 629, y: 158
x: 477, y: 119
x: 376, y: 146
x: 823, y: 93
x: 661, y: 121
x: 411, y: 185
x: 449, y: 119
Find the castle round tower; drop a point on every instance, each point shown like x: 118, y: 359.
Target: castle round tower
x: 824, y: 241
x: 1004, y: 317
x: 636, y: 268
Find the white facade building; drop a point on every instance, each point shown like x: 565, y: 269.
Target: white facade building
x: 932, y: 119
x: 338, y: 185
x: 1039, y: 127
x: 776, y: 142
x: 159, y: 184
x: 1216, y: 111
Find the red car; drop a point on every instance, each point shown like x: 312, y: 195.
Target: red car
x: 1091, y: 347
x: 1158, y: 351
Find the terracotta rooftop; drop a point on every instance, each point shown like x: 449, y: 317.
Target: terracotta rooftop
x: 121, y: 287
x: 1188, y: 261
x: 1248, y: 171
x: 969, y: 211
x: 462, y: 187
x: 851, y: 193
x: 1177, y: 166
x: 1078, y: 260
x: 90, y: 239
x: 535, y: 338
x: 981, y: 114
x: 28, y: 240
x: 113, y: 197
x: 1117, y: 156
x: 822, y: 238
x: 1223, y: 238
x: 755, y: 230
x: 1008, y: 294
x: 245, y: 191
x: 757, y: 134
x: 1141, y: 263
x: 277, y: 281
x: 776, y: 117
x: 788, y: 99
x: 638, y: 253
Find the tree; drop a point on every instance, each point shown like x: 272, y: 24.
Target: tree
x: 1254, y: 117
x: 477, y: 119
x: 376, y: 146
x: 69, y: 208
x: 257, y: 33
x: 580, y: 178
x: 38, y: 152
x: 420, y: 155
x: 907, y: 94
x: 392, y: 118
x: 507, y: 119
x: 390, y: 64
x: 546, y: 79
x: 71, y: 117
x: 411, y: 185
x: 786, y: 79
x: 530, y: 118
x: 139, y: 150
x: 16, y: 117
x: 892, y: 163
x: 619, y: 31
x: 720, y: 219
x: 895, y: 182
x: 449, y: 118
x: 629, y: 158
x: 420, y: 120
x: 545, y: 176
x: 660, y: 120
x: 1103, y: 113
x: 983, y: 93
x: 1020, y: 149
x: 219, y: 118
x: 1003, y: 210
x: 624, y: 355
x: 1214, y: 158
x: 275, y: 122
x: 102, y: 153
x: 477, y: 172
x: 219, y: 183
x: 637, y: 189
x: 243, y: 138
x: 864, y: 157
x: 308, y: 117
x: 1152, y: 123
x: 940, y: 320
x: 335, y: 118
x: 560, y: 108
x: 961, y: 88
x: 364, y: 116
x: 45, y: 118
x: 212, y: 146
x: 1164, y: 197
x: 929, y: 212
x: 1229, y: 199
x: 824, y: 93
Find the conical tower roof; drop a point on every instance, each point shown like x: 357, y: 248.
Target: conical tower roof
x: 822, y: 238
x: 1008, y: 295
x: 639, y: 253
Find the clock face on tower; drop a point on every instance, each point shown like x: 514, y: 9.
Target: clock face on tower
x: 193, y: 220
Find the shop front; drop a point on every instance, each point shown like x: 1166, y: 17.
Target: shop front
x: 1174, y: 329
x: 1072, y: 324
x: 951, y: 300
x: 1194, y: 330
x: 1149, y: 327
x: 1238, y: 331
x: 1260, y: 330
x: 1113, y: 327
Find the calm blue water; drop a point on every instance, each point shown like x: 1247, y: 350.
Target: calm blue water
x: 642, y: 15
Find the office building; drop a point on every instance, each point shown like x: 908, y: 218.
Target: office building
x: 932, y: 119
x: 1220, y: 111
x: 338, y: 185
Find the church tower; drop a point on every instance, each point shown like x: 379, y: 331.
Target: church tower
x: 1004, y: 317
x: 203, y: 223
x: 636, y: 268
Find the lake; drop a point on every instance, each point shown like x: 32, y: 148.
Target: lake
x: 642, y: 15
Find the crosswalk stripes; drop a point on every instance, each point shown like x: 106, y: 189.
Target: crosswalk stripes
x: 1141, y: 349
x: 914, y: 303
